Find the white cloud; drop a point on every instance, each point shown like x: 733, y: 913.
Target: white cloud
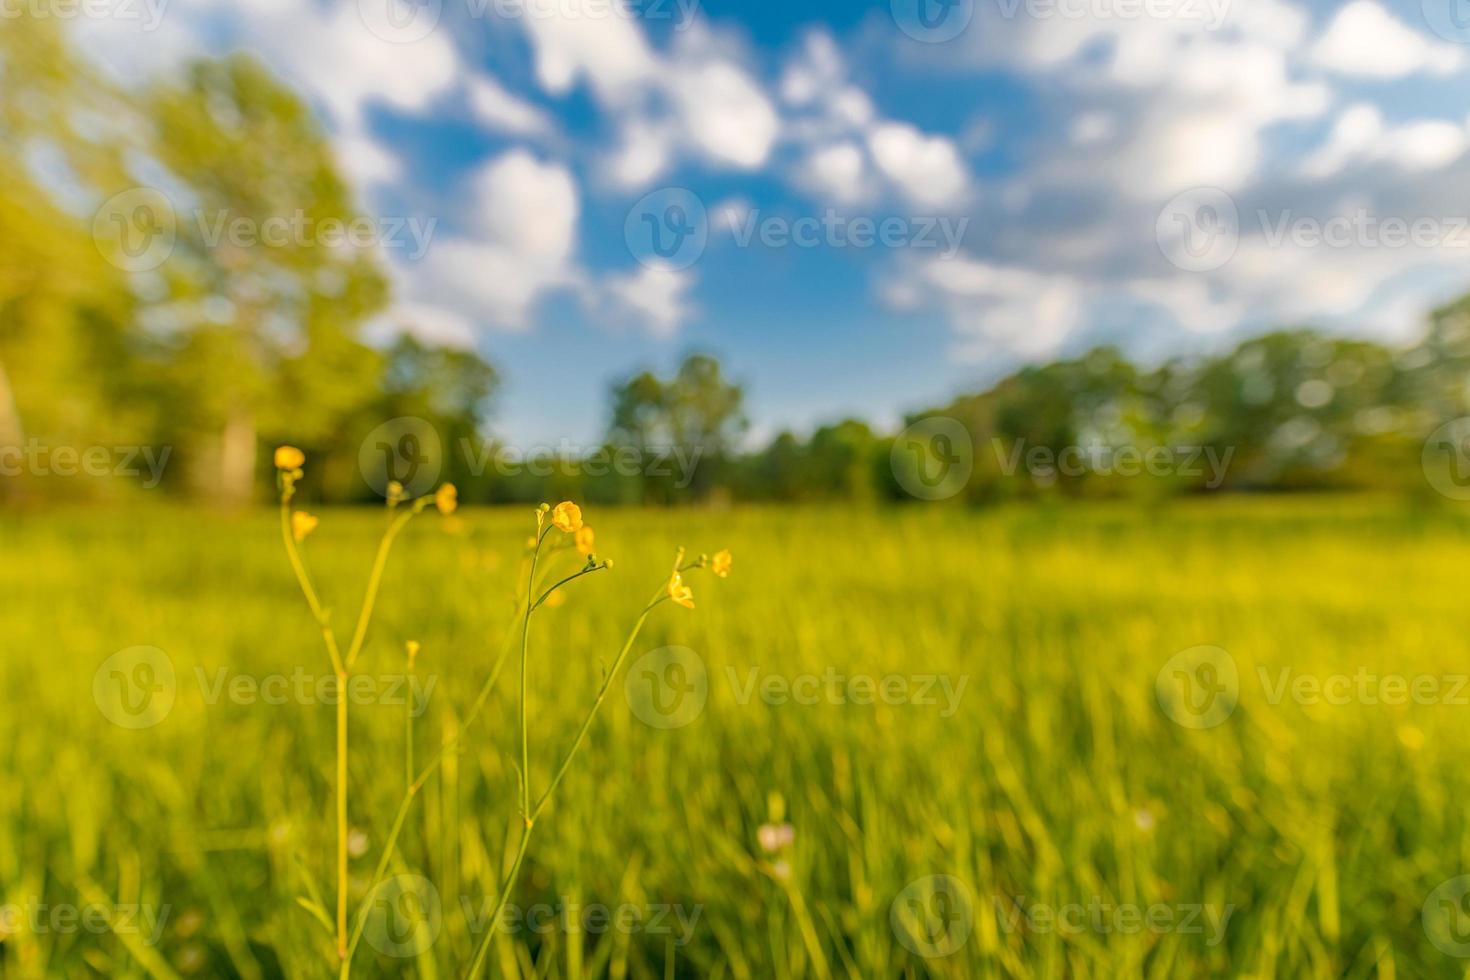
x: 654, y: 295
x: 521, y: 245
x: 725, y: 114
x: 1365, y: 40
x: 1361, y: 135
x: 849, y: 152
x: 927, y: 169
x: 839, y: 172
x: 507, y: 113
x: 591, y: 42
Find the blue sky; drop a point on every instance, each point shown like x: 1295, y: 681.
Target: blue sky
x: 1167, y: 175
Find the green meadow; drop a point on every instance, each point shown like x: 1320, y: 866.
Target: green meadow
x: 991, y: 733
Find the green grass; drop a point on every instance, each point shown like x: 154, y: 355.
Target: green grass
x: 1057, y: 780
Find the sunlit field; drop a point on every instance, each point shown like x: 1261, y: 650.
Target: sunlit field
x: 919, y: 692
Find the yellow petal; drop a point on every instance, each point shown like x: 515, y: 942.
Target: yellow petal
x: 289, y: 458
x: 566, y: 516
x: 302, y: 524
x: 446, y: 498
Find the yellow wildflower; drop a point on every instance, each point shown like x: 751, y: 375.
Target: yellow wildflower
x: 302, y: 524
x: 678, y: 591
x: 446, y: 498
x: 585, y: 539
x: 566, y: 516
x: 720, y: 563
x: 289, y: 458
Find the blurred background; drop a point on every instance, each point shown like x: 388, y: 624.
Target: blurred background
x: 762, y: 244
x: 1086, y: 381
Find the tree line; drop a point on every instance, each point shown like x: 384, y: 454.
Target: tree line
x: 226, y: 348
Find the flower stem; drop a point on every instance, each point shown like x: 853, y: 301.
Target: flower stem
x: 531, y: 815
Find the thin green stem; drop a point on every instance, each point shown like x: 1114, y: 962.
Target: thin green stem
x: 592, y: 712
x: 375, y: 581
x: 531, y: 815
x: 587, y: 570
x: 304, y: 580
x: 525, y: 639
x: 493, y: 921
x: 417, y: 784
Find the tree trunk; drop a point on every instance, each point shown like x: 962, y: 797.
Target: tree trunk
x: 12, y: 433
x: 237, y: 459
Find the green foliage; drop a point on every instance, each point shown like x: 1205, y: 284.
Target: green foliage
x: 1057, y: 778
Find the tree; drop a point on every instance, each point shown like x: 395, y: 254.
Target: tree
x: 265, y: 309
x: 697, y: 413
